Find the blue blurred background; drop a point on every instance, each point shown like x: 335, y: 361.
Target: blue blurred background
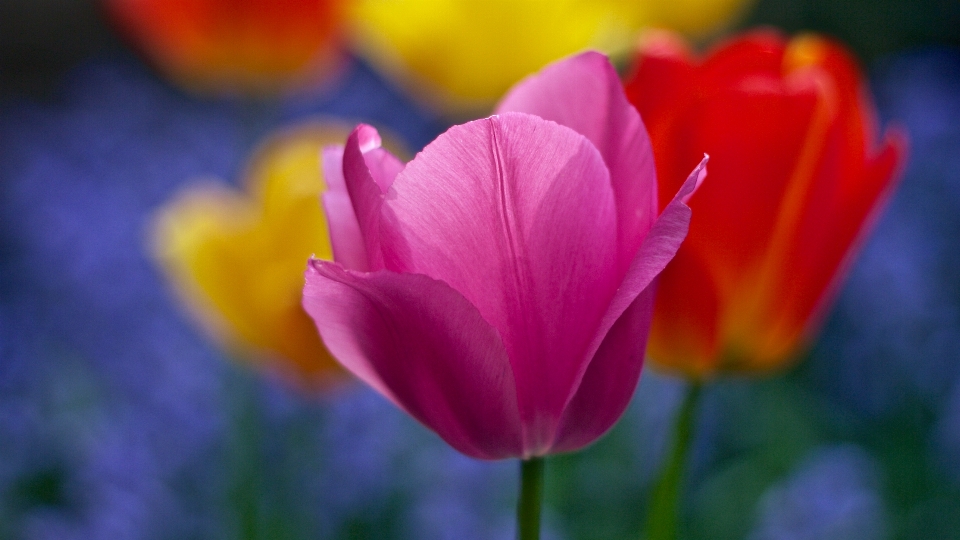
x: 120, y: 420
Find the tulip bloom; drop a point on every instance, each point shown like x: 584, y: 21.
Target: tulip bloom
x: 498, y: 286
x: 236, y: 259
x: 797, y: 179
x: 250, y: 45
x: 467, y: 53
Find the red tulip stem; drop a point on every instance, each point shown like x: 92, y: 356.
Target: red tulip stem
x: 528, y: 502
x: 664, y: 519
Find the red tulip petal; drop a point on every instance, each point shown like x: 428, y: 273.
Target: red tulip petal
x: 664, y: 70
x: 827, y: 209
x: 850, y: 96
x: 584, y: 93
x: 822, y: 248
x: 425, y: 347
x: 882, y: 174
x: 684, y: 336
x: 756, y: 132
x: 753, y: 54
x: 517, y: 214
x: 661, y: 87
x: 789, y: 126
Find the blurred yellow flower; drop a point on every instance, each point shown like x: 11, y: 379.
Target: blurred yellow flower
x: 468, y: 52
x: 237, y: 259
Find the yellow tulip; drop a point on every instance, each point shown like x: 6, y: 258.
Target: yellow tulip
x: 236, y: 259
x: 467, y: 53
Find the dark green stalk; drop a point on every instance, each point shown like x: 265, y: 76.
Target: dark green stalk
x: 244, y: 457
x: 664, y: 518
x: 528, y: 503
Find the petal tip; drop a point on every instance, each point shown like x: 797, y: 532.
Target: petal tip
x: 313, y: 266
x: 367, y: 137
x: 592, y: 55
x: 320, y: 267
x: 694, y: 181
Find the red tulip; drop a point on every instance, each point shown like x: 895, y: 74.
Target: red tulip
x: 797, y: 178
x: 250, y: 45
x: 498, y: 286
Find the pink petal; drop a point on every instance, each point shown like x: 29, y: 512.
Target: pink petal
x: 658, y: 249
x: 610, y: 380
x: 345, y: 237
x: 422, y: 345
x: 368, y: 171
x: 517, y: 214
x: 584, y: 93
x: 384, y: 167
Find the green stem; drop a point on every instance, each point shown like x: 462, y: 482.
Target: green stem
x: 665, y: 507
x: 244, y: 459
x: 528, y: 503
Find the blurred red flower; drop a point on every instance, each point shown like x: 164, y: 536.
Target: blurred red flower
x: 796, y: 179
x: 256, y: 46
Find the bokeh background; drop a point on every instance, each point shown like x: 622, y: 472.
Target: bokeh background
x: 120, y: 419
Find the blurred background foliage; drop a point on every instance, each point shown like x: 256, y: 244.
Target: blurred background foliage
x: 119, y: 419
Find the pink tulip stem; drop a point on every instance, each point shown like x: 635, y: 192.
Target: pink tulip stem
x: 528, y: 503
x: 664, y: 519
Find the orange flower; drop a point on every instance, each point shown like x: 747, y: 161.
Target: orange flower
x: 256, y: 46
x: 796, y: 180
x: 236, y: 259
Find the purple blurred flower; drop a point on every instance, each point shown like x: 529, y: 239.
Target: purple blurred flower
x: 832, y: 495
x: 114, y: 402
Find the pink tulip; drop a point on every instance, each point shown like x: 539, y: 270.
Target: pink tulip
x: 498, y: 287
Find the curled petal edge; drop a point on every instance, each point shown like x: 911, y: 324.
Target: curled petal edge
x: 346, y: 239
x: 610, y: 381
x: 368, y: 172
x: 656, y: 251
